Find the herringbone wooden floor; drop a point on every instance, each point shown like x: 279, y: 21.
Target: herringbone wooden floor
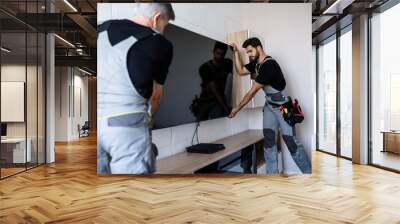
x: 70, y: 191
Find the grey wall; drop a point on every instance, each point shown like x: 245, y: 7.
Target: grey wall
x: 67, y: 81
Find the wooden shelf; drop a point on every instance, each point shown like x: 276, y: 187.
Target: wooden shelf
x: 188, y: 163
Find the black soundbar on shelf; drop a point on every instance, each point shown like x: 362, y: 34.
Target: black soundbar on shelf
x: 205, y: 148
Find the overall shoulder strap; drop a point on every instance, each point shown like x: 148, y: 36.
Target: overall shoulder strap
x: 104, y: 26
x: 268, y: 58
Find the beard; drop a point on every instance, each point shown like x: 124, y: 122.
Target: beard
x: 255, y: 57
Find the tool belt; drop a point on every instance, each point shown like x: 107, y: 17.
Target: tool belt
x: 291, y: 112
x: 274, y: 104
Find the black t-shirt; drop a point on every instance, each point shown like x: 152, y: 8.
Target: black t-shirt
x: 209, y: 72
x: 148, y: 59
x: 269, y: 73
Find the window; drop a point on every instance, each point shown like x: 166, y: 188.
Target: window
x: 335, y: 74
x: 22, y: 77
x: 327, y: 96
x: 346, y: 75
x: 385, y: 89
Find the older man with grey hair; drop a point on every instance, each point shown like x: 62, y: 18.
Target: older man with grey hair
x: 133, y: 61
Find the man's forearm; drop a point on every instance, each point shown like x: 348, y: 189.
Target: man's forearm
x: 249, y: 95
x: 155, y: 98
x: 246, y: 99
x: 155, y: 103
x: 238, y: 62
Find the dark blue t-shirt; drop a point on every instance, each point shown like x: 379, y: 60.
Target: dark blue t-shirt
x: 148, y: 59
x: 269, y: 73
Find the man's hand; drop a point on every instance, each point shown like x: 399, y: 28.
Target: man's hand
x: 151, y: 123
x: 155, y: 98
x: 234, y: 47
x: 234, y: 112
x: 228, y: 110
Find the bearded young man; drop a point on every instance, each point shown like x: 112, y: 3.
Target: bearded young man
x: 268, y: 76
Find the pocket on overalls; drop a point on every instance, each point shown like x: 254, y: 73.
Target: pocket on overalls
x: 277, y: 97
x: 127, y: 120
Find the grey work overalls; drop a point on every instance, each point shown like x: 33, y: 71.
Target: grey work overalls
x: 124, y: 140
x: 272, y: 122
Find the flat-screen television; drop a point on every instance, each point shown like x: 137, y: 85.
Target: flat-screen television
x: 199, y: 82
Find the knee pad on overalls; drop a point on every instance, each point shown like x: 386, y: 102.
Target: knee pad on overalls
x: 269, y: 138
x: 290, y: 143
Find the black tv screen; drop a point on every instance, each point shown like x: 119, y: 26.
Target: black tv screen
x: 199, y: 81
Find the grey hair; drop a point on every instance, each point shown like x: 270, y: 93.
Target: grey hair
x: 150, y: 9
